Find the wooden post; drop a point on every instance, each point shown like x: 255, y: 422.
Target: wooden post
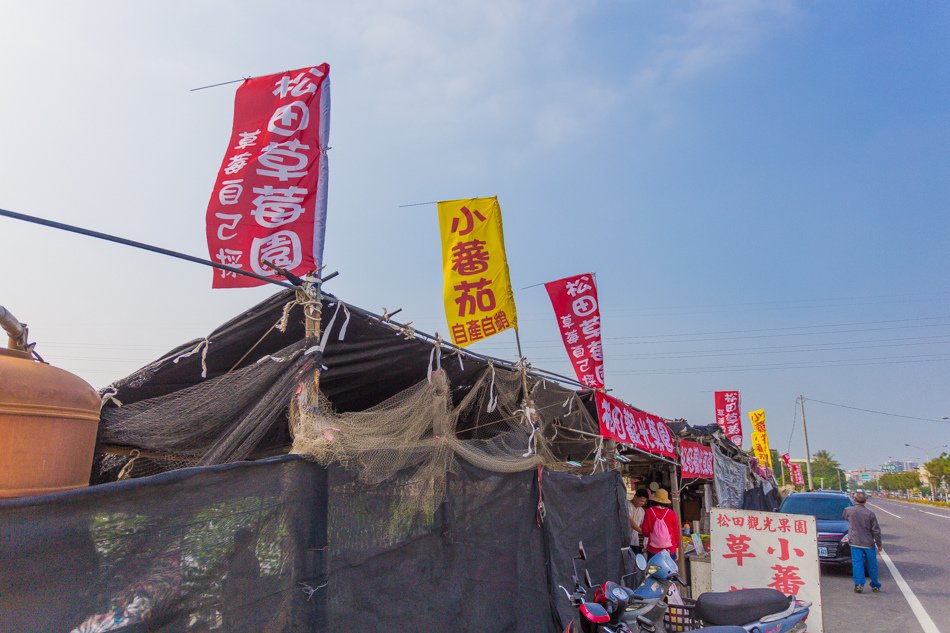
x: 678, y: 511
x: 312, y: 314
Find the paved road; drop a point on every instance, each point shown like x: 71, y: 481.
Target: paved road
x: 917, y: 539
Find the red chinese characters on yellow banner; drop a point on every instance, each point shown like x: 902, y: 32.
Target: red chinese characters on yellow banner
x: 478, y: 298
x: 760, y: 438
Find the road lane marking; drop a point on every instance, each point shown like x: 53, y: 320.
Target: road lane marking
x: 925, y: 622
x: 942, y: 516
x: 883, y: 510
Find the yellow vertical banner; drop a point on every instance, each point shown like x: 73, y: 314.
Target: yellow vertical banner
x: 479, y: 301
x: 760, y: 438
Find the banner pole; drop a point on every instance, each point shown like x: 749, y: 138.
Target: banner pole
x: 518, y: 342
x: 147, y: 247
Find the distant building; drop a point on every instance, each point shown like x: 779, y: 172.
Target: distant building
x: 893, y: 466
x: 865, y: 478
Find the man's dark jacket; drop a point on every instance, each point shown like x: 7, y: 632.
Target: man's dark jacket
x: 863, y: 529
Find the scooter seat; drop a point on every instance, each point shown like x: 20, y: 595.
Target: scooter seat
x: 739, y: 607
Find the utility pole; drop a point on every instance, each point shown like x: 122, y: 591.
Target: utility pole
x: 811, y: 484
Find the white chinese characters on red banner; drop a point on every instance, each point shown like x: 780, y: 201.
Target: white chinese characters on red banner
x: 578, y: 317
x: 797, y: 477
x: 696, y: 460
x: 767, y: 549
x: 270, y: 198
x: 624, y: 424
x: 728, y: 416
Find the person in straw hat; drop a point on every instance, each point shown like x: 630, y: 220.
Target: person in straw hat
x: 660, y: 525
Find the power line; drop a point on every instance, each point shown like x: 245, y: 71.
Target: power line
x: 893, y: 415
x: 778, y: 349
x: 790, y: 302
x: 782, y: 331
x: 778, y: 366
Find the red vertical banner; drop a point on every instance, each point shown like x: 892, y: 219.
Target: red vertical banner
x: 270, y: 197
x: 624, y: 424
x: 797, y: 477
x: 728, y: 415
x: 578, y: 317
x: 696, y: 460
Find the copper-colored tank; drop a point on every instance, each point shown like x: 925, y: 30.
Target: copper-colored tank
x: 48, y: 422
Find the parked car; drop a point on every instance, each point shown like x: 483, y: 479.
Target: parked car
x: 827, y: 508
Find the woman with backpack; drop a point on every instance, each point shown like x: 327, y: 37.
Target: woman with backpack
x: 660, y: 525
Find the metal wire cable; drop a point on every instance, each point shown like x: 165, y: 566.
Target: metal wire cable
x: 894, y: 415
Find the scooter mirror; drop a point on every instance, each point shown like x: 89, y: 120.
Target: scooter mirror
x: 580, y: 551
x: 590, y: 584
x: 641, y: 562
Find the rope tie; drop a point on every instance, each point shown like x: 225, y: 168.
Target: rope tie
x: 569, y: 403
x: 307, y: 589
x: 435, y: 357
x: 311, y: 308
x: 326, y: 331
x: 541, y: 512
x: 201, y: 347
x: 346, y: 323
x: 284, y: 319
x: 458, y: 354
x: 597, y: 457
x: 126, y: 471
x: 492, y: 397
x: 408, y: 332
x: 531, y: 414
x: 110, y: 396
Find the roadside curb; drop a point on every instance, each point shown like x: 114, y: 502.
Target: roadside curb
x: 911, y: 504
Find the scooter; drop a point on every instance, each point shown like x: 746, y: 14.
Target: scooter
x: 606, y: 613
x: 751, y: 610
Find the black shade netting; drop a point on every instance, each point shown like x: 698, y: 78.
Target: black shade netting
x: 220, y: 420
x: 223, y: 548
x: 480, y: 561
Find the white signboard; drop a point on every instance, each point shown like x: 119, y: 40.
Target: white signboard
x: 767, y: 549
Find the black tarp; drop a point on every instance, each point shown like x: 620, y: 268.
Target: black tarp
x: 285, y: 545
x: 372, y: 362
x: 365, y: 361
x: 216, y: 548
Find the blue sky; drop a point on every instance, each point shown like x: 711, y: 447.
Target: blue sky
x: 740, y: 175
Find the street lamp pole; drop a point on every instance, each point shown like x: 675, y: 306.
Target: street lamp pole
x: 930, y: 483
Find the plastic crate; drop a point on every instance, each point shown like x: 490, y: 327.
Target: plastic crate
x: 682, y: 617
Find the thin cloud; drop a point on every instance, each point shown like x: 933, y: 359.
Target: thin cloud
x: 711, y: 35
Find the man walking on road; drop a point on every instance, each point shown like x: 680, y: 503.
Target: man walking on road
x: 864, y: 534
